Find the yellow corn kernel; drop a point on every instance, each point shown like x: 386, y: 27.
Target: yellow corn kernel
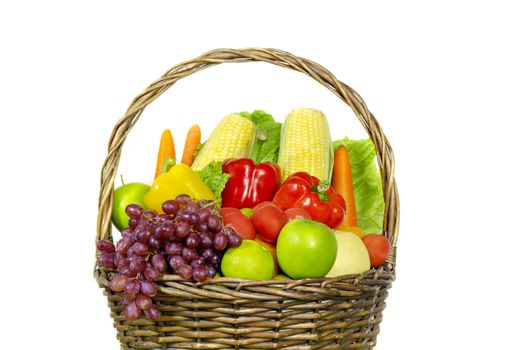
x: 305, y: 144
x: 232, y: 138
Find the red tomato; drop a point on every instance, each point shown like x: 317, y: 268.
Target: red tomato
x: 268, y: 219
x: 239, y: 222
x: 297, y: 213
x: 378, y: 248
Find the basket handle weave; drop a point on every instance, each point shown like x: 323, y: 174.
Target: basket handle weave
x: 277, y: 57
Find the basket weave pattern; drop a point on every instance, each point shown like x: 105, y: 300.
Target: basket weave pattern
x: 324, y: 313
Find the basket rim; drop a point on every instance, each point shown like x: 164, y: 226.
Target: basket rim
x: 368, y: 281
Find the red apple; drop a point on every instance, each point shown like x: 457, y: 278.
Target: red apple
x: 269, y: 220
x: 297, y: 213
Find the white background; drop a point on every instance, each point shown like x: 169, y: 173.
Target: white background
x: 447, y: 81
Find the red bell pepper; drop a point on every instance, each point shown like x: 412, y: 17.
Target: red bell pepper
x: 250, y: 183
x: 301, y: 190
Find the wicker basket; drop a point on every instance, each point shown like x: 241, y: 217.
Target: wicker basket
x: 323, y: 313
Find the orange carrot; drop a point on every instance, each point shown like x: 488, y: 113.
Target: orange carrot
x: 191, y: 145
x: 166, y: 150
x: 342, y: 184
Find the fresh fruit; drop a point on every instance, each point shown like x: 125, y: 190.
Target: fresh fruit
x: 352, y: 256
x: 249, y: 184
x: 191, y: 145
x: 239, y: 222
x: 305, y: 144
x: 248, y: 261
x: 280, y: 276
x: 268, y: 220
x: 180, y: 179
x: 273, y: 251
x: 352, y: 229
x: 302, y: 190
x: 133, y: 192
x: 232, y: 138
x: 306, y: 249
x: 166, y: 151
x: 297, y: 213
x: 343, y: 185
x: 188, y: 239
x: 378, y: 248
x: 247, y: 212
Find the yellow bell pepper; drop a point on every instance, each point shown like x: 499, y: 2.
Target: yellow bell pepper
x: 180, y: 179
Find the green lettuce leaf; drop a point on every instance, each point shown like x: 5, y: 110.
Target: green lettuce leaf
x: 214, y: 178
x: 266, y: 146
x: 368, y: 191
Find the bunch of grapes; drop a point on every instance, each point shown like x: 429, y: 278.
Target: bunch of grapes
x: 188, y: 239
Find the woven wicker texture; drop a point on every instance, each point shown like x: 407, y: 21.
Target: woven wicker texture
x: 325, y: 313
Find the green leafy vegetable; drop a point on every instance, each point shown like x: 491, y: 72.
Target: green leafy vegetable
x: 266, y: 146
x: 214, y: 178
x: 368, y: 191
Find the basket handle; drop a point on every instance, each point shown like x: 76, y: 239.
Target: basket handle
x: 277, y: 57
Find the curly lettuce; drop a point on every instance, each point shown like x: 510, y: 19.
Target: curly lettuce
x: 213, y: 176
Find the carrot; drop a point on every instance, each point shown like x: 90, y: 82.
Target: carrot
x: 166, y: 150
x: 191, y: 145
x: 343, y: 185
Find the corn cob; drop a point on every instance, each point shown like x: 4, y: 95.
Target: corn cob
x: 232, y: 138
x: 305, y: 144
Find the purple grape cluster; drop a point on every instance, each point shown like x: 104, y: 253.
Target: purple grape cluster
x: 188, y: 239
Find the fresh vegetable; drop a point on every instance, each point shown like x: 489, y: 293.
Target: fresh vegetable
x: 342, y: 184
x: 305, y: 144
x: 180, y: 179
x: 301, y: 190
x: 352, y: 256
x: 166, y: 150
x: 249, y: 261
x: 232, y: 138
x: 133, y: 192
x: 239, y: 222
x: 306, y: 249
x: 169, y: 163
x: 378, y: 248
x: 213, y: 176
x: 188, y: 240
x: 368, y: 193
x: 249, y: 184
x: 191, y: 145
x: 267, y: 138
x: 268, y: 220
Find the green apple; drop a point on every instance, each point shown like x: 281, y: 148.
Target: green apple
x: 281, y: 277
x: 249, y: 261
x: 306, y: 249
x: 130, y: 193
x: 352, y: 255
x: 247, y: 212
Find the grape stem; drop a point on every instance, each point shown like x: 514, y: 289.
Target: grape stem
x: 211, y: 204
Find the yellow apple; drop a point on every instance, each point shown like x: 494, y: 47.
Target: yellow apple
x: 352, y: 255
